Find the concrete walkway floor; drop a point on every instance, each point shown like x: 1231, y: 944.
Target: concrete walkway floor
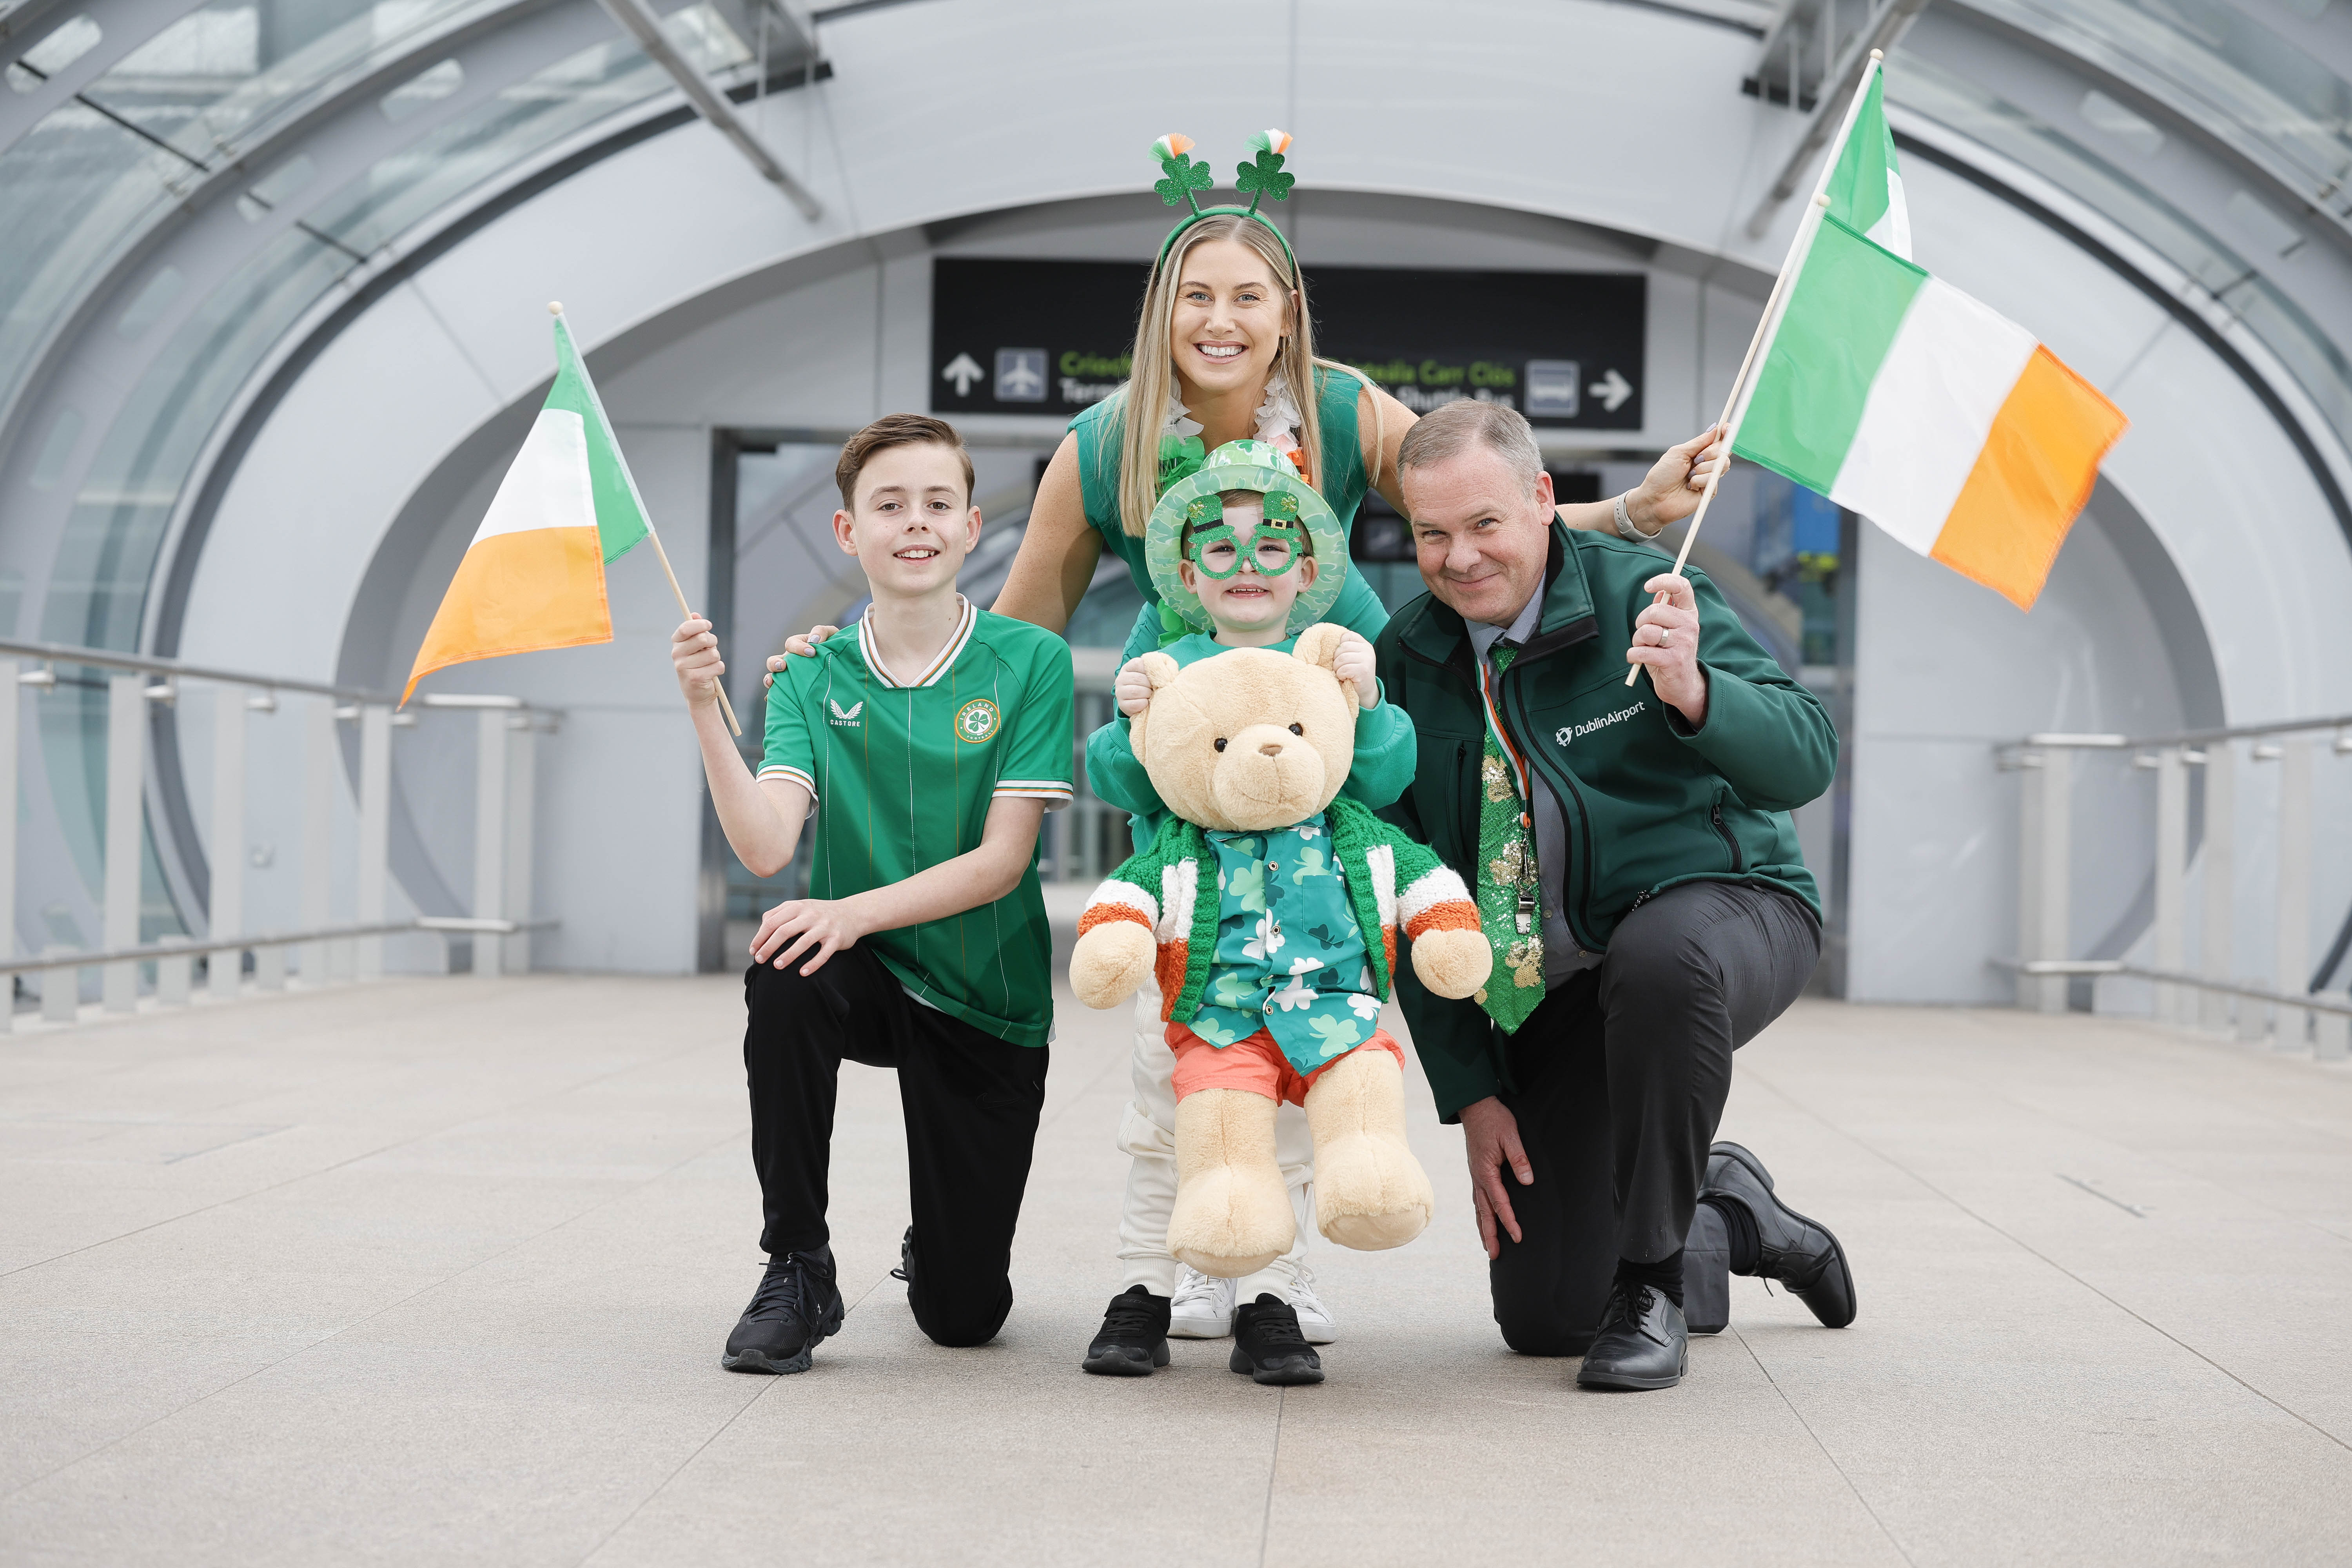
x: 438, y: 1271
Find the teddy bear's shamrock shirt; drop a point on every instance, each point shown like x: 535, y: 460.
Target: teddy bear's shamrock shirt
x: 1277, y: 917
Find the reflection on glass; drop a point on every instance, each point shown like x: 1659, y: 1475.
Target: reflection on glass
x: 2308, y: 353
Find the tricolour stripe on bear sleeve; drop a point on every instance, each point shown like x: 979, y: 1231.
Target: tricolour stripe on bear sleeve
x: 1118, y: 901
x: 1436, y: 900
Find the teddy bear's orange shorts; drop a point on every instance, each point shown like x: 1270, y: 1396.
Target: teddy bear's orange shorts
x: 1255, y: 1064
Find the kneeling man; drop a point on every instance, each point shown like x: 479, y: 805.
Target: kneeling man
x: 1637, y: 872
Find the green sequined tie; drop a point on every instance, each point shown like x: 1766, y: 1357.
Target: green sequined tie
x: 1509, y: 903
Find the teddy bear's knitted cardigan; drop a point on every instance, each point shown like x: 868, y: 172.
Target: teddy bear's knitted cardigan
x: 1170, y: 890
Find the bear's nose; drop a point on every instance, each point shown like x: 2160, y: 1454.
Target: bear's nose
x: 1269, y: 748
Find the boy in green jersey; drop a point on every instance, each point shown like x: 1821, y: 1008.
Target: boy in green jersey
x: 922, y: 753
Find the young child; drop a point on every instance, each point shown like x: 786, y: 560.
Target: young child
x: 926, y: 748
x: 1245, y: 565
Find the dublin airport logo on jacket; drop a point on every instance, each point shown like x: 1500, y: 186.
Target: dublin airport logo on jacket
x: 1568, y: 732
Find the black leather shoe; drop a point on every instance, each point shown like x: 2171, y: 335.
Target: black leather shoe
x: 906, y: 1269
x: 1268, y: 1345
x: 1799, y: 1252
x: 1643, y: 1343
x: 1134, y: 1336
x: 796, y: 1305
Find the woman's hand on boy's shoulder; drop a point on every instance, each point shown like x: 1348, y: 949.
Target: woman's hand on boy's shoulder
x: 694, y: 652
x: 800, y: 643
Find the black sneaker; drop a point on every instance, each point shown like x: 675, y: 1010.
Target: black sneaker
x: 1797, y: 1252
x: 1642, y: 1343
x: 1134, y: 1336
x: 1268, y: 1346
x: 796, y: 1306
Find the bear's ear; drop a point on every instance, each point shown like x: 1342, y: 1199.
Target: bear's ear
x: 1161, y: 671
x: 1319, y: 645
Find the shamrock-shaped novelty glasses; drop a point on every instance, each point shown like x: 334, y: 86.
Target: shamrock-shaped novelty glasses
x: 1216, y: 551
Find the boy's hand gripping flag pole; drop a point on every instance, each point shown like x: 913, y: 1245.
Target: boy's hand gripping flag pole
x: 1867, y: 89
x: 534, y: 577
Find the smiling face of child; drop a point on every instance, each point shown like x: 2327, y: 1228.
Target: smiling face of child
x: 1254, y: 602
x: 915, y: 521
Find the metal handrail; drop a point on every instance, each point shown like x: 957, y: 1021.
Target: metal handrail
x: 2109, y: 743
x: 109, y: 658
x: 443, y: 924
x: 2315, y: 1001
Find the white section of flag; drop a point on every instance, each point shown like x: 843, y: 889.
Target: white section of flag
x: 548, y: 485
x: 1943, y: 381
x: 1893, y: 228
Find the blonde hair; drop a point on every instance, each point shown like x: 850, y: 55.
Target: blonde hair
x: 1144, y: 398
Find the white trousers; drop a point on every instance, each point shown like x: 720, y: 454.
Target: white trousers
x: 1147, y: 1133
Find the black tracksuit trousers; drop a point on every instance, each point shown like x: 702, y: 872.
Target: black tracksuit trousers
x: 971, y: 1102
x: 1622, y: 1074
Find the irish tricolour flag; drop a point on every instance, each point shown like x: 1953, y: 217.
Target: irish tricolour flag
x: 534, y: 577
x: 1895, y: 394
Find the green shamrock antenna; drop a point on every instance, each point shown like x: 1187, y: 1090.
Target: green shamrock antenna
x: 1262, y: 176
x: 1259, y: 178
x: 1184, y: 176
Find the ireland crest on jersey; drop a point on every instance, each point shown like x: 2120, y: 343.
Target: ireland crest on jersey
x: 977, y: 720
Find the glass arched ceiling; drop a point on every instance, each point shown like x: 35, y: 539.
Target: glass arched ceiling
x: 409, y: 106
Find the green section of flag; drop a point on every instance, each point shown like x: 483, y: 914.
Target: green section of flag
x: 621, y: 520
x: 1857, y: 187
x: 1842, y: 313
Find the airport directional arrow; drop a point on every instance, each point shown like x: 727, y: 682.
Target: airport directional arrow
x: 963, y: 373
x: 1612, y: 389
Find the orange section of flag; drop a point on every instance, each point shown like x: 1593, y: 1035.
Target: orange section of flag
x: 2031, y: 482
x: 534, y: 589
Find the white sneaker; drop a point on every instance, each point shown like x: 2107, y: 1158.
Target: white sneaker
x: 1202, y: 1309
x: 1315, y: 1323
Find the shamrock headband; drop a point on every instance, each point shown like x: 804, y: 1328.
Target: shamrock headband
x: 1259, y: 178
x: 1290, y: 503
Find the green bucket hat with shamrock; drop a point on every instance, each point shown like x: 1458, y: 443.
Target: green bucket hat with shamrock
x: 1245, y: 466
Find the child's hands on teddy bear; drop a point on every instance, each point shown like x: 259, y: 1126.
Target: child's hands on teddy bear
x: 1352, y: 662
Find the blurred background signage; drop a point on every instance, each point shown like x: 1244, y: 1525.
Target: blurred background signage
x: 1053, y: 337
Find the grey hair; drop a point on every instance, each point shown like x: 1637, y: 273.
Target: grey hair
x: 1447, y: 431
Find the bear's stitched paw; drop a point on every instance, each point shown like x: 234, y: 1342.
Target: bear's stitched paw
x: 1371, y: 1193
x: 1452, y: 963
x: 1110, y: 961
x: 1232, y: 1220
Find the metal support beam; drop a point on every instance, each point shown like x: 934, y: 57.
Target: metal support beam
x: 2221, y: 880
x: 318, y: 833
x: 375, y: 831
x: 9, y: 735
x: 1828, y: 108
x: 126, y: 777
x: 489, y: 833
x: 226, y: 916
x: 522, y: 782
x: 2172, y: 1003
x: 2046, y: 848
x: 2293, y: 946
x: 641, y: 24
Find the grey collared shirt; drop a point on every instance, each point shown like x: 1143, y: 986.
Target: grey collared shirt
x: 1562, y: 957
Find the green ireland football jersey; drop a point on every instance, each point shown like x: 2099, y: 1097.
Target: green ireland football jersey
x: 904, y: 771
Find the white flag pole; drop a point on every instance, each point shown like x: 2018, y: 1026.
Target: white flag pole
x: 1798, y: 246
x: 555, y: 309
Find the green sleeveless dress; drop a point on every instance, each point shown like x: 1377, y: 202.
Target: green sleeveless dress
x: 1340, y: 478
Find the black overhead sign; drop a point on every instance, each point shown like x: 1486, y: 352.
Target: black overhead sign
x: 1052, y: 337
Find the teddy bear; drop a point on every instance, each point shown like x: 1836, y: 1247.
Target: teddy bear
x: 1269, y: 908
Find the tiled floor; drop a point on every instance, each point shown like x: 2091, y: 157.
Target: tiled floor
x: 438, y: 1271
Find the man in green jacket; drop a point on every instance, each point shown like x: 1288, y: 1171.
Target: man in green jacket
x: 1636, y: 869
